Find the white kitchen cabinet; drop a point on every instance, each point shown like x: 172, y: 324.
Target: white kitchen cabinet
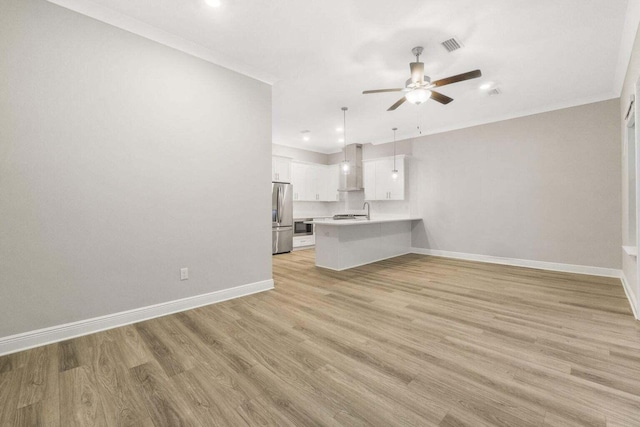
x: 388, y: 188
x: 314, y: 182
x: 303, y: 241
x: 378, y: 182
x: 304, y: 178
x: 369, y: 180
x: 280, y: 169
x: 299, y: 180
x: 331, y: 182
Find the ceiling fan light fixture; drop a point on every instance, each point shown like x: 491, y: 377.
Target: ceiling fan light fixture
x: 213, y: 3
x: 417, y: 87
x: 418, y: 96
x: 417, y: 72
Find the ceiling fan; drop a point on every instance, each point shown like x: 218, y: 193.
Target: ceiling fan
x: 419, y: 87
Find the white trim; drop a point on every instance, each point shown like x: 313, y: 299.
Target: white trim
x: 592, y: 99
x: 606, y: 96
x: 631, y: 251
x: 542, y: 265
x: 630, y: 118
x: 132, y: 25
x: 629, y: 30
x: 27, y: 340
x: 630, y: 296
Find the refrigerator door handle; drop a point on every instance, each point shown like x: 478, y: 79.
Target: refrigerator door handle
x: 280, y: 207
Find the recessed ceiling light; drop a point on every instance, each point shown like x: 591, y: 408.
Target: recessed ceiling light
x: 306, y: 138
x: 486, y: 86
x: 341, y: 140
x: 339, y: 129
x: 306, y: 135
x: 213, y: 3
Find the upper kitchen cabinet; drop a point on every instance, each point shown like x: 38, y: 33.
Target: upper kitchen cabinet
x: 331, y: 183
x: 299, y: 180
x: 378, y: 181
x: 314, y: 182
x: 280, y: 169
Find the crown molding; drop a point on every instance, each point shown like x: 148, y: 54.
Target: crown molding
x: 629, y: 30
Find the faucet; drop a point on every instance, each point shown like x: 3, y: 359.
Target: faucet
x: 368, y: 210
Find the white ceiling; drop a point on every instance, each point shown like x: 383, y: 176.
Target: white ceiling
x: 320, y: 56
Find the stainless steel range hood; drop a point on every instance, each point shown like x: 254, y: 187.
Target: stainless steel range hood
x: 353, y: 180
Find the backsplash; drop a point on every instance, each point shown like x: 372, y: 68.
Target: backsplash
x: 354, y: 200
x: 314, y: 209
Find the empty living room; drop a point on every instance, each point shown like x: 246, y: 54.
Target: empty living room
x: 454, y: 190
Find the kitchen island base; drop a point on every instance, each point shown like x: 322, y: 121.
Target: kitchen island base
x: 340, y: 247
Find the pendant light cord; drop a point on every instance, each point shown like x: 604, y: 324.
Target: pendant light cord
x: 394, y: 148
x: 344, y: 131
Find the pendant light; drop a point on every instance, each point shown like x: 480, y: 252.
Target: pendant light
x: 345, y: 166
x: 394, y: 172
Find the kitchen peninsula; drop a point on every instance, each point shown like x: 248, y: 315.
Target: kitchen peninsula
x: 344, y: 244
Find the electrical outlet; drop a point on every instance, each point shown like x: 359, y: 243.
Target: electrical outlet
x: 184, y: 273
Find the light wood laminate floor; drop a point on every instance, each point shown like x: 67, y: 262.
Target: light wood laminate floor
x: 414, y: 340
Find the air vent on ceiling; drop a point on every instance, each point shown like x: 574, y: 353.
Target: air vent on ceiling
x: 494, y: 91
x: 452, y: 44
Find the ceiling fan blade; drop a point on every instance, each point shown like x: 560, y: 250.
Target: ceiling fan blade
x: 397, y: 104
x: 459, y: 78
x: 442, y: 99
x: 381, y: 91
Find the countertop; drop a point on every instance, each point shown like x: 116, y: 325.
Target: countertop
x: 374, y: 220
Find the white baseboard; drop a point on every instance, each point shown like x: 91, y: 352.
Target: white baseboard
x: 630, y: 296
x: 542, y: 265
x: 27, y: 340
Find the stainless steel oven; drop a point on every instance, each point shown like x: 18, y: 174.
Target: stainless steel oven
x: 302, y: 229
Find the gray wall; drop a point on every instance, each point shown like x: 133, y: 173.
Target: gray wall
x: 544, y: 187
x: 121, y: 161
x: 629, y: 263
x: 300, y: 154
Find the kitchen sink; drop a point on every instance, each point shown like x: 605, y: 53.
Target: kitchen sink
x: 349, y: 216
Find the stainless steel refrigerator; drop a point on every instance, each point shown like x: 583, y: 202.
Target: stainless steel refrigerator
x: 281, y: 217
